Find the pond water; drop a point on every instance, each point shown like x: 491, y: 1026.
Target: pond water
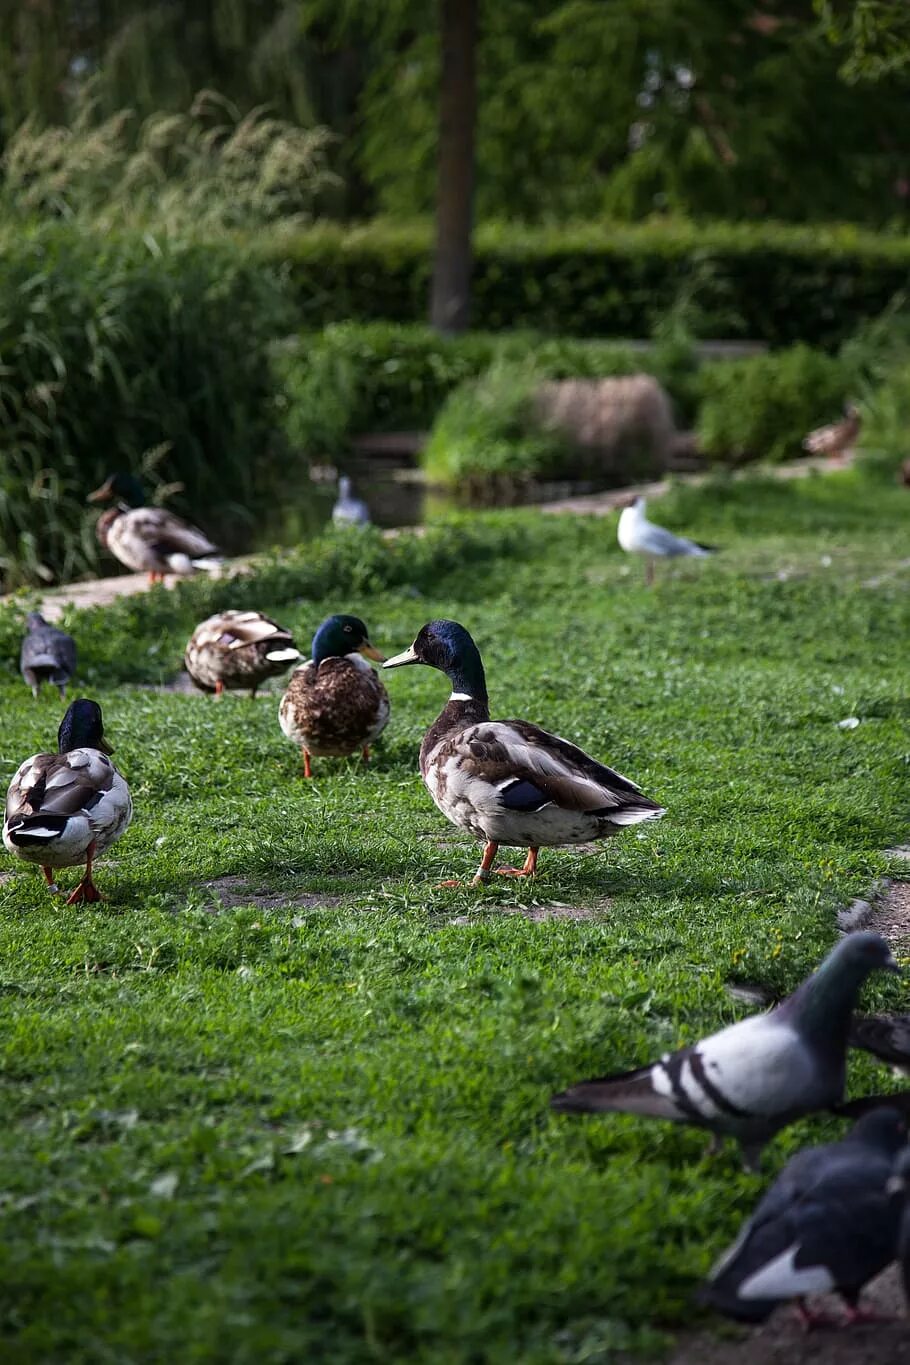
x: 394, y: 491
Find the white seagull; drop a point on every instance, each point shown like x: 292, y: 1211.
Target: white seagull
x: 637, y: 535
x: 349, y: 511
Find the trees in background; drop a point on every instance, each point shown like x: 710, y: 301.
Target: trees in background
x: 584, y: 107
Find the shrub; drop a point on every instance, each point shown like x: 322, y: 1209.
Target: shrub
x: 110, y: 346
x: 487, y: 433
x: 358, y: 377
x: 770, y: 282
x: 763, y: 406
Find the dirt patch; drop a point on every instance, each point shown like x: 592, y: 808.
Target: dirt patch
x: 537, y: 914
x: 781, y: 1340
x: 231, y: 891
x: 887, y: 912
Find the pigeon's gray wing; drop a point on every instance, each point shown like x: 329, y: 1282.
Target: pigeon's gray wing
x: 47, y: 653
x: 752, y: 1076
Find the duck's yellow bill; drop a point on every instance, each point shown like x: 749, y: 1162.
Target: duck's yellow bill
x: 407, y: 656
x: 371, y: 652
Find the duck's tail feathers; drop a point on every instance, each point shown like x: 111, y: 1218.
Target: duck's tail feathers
x: 283, y: 656
x: 209, y: 564
x: 39, y: 829
x: 635, y: 815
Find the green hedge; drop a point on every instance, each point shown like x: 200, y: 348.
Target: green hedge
x: 770, y: 282
x: 762, y: 407
x: 110, y: 347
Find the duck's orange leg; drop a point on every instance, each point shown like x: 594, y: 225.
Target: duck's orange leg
x: 365, y: 753
x: 50, y: 878
x: 483, y: 872
x: 219, y: 688
x: 307, y: 766
x: 86, y: 890
x: 528, y: 870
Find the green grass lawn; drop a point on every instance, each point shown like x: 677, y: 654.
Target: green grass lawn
x: 317, y: 1129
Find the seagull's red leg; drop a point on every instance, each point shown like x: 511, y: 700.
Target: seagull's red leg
x: 528, y: 870
x: 307, y: 769
x: 86, y: 890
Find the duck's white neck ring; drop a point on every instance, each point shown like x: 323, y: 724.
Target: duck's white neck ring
x: 461, y: 696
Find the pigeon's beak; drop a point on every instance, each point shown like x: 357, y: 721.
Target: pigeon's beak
x: 104, y: 746
x: 371, y: 652
x: 407, y: 656
x: 102, y: 494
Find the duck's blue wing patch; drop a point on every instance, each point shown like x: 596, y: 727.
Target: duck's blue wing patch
x: 522, y: 794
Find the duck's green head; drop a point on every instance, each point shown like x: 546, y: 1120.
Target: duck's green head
x: 448, y: 646
x: 120, y: 487
x: 340, y: 635
x: 82, y: 728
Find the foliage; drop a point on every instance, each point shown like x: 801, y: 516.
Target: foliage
x: 876, y: 34
x: 358, y: 377
x: 111, y: 347
x: 207, y: 169
x: 763, y: 406
x: 772, y: 283
x: 282, y: 1063
x: 886, y: 421
x: 487, y: 433
x: 686, y: 106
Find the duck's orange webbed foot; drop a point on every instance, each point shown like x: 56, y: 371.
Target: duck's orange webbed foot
x: 528, y: 870
x: 84, y: 893
x: 86, y: 890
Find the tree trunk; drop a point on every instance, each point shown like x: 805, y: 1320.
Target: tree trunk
x: 450, y: 299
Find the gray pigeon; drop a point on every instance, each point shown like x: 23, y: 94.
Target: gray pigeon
x: 828, y: 1224
x: 47, y: 654
x: 754, y: 1077
x: 886, y: 1036
x: 900, y: 1185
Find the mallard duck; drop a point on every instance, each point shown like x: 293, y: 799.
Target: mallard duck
x: 637, y: 535
x: 47, y: 655
x: 508, y: 781
x: 838, y: 439
x: 65, y: 808
x: 349, y: 511
x: 335, y: 703
x: 150, y: 539
x: 238, y: 649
